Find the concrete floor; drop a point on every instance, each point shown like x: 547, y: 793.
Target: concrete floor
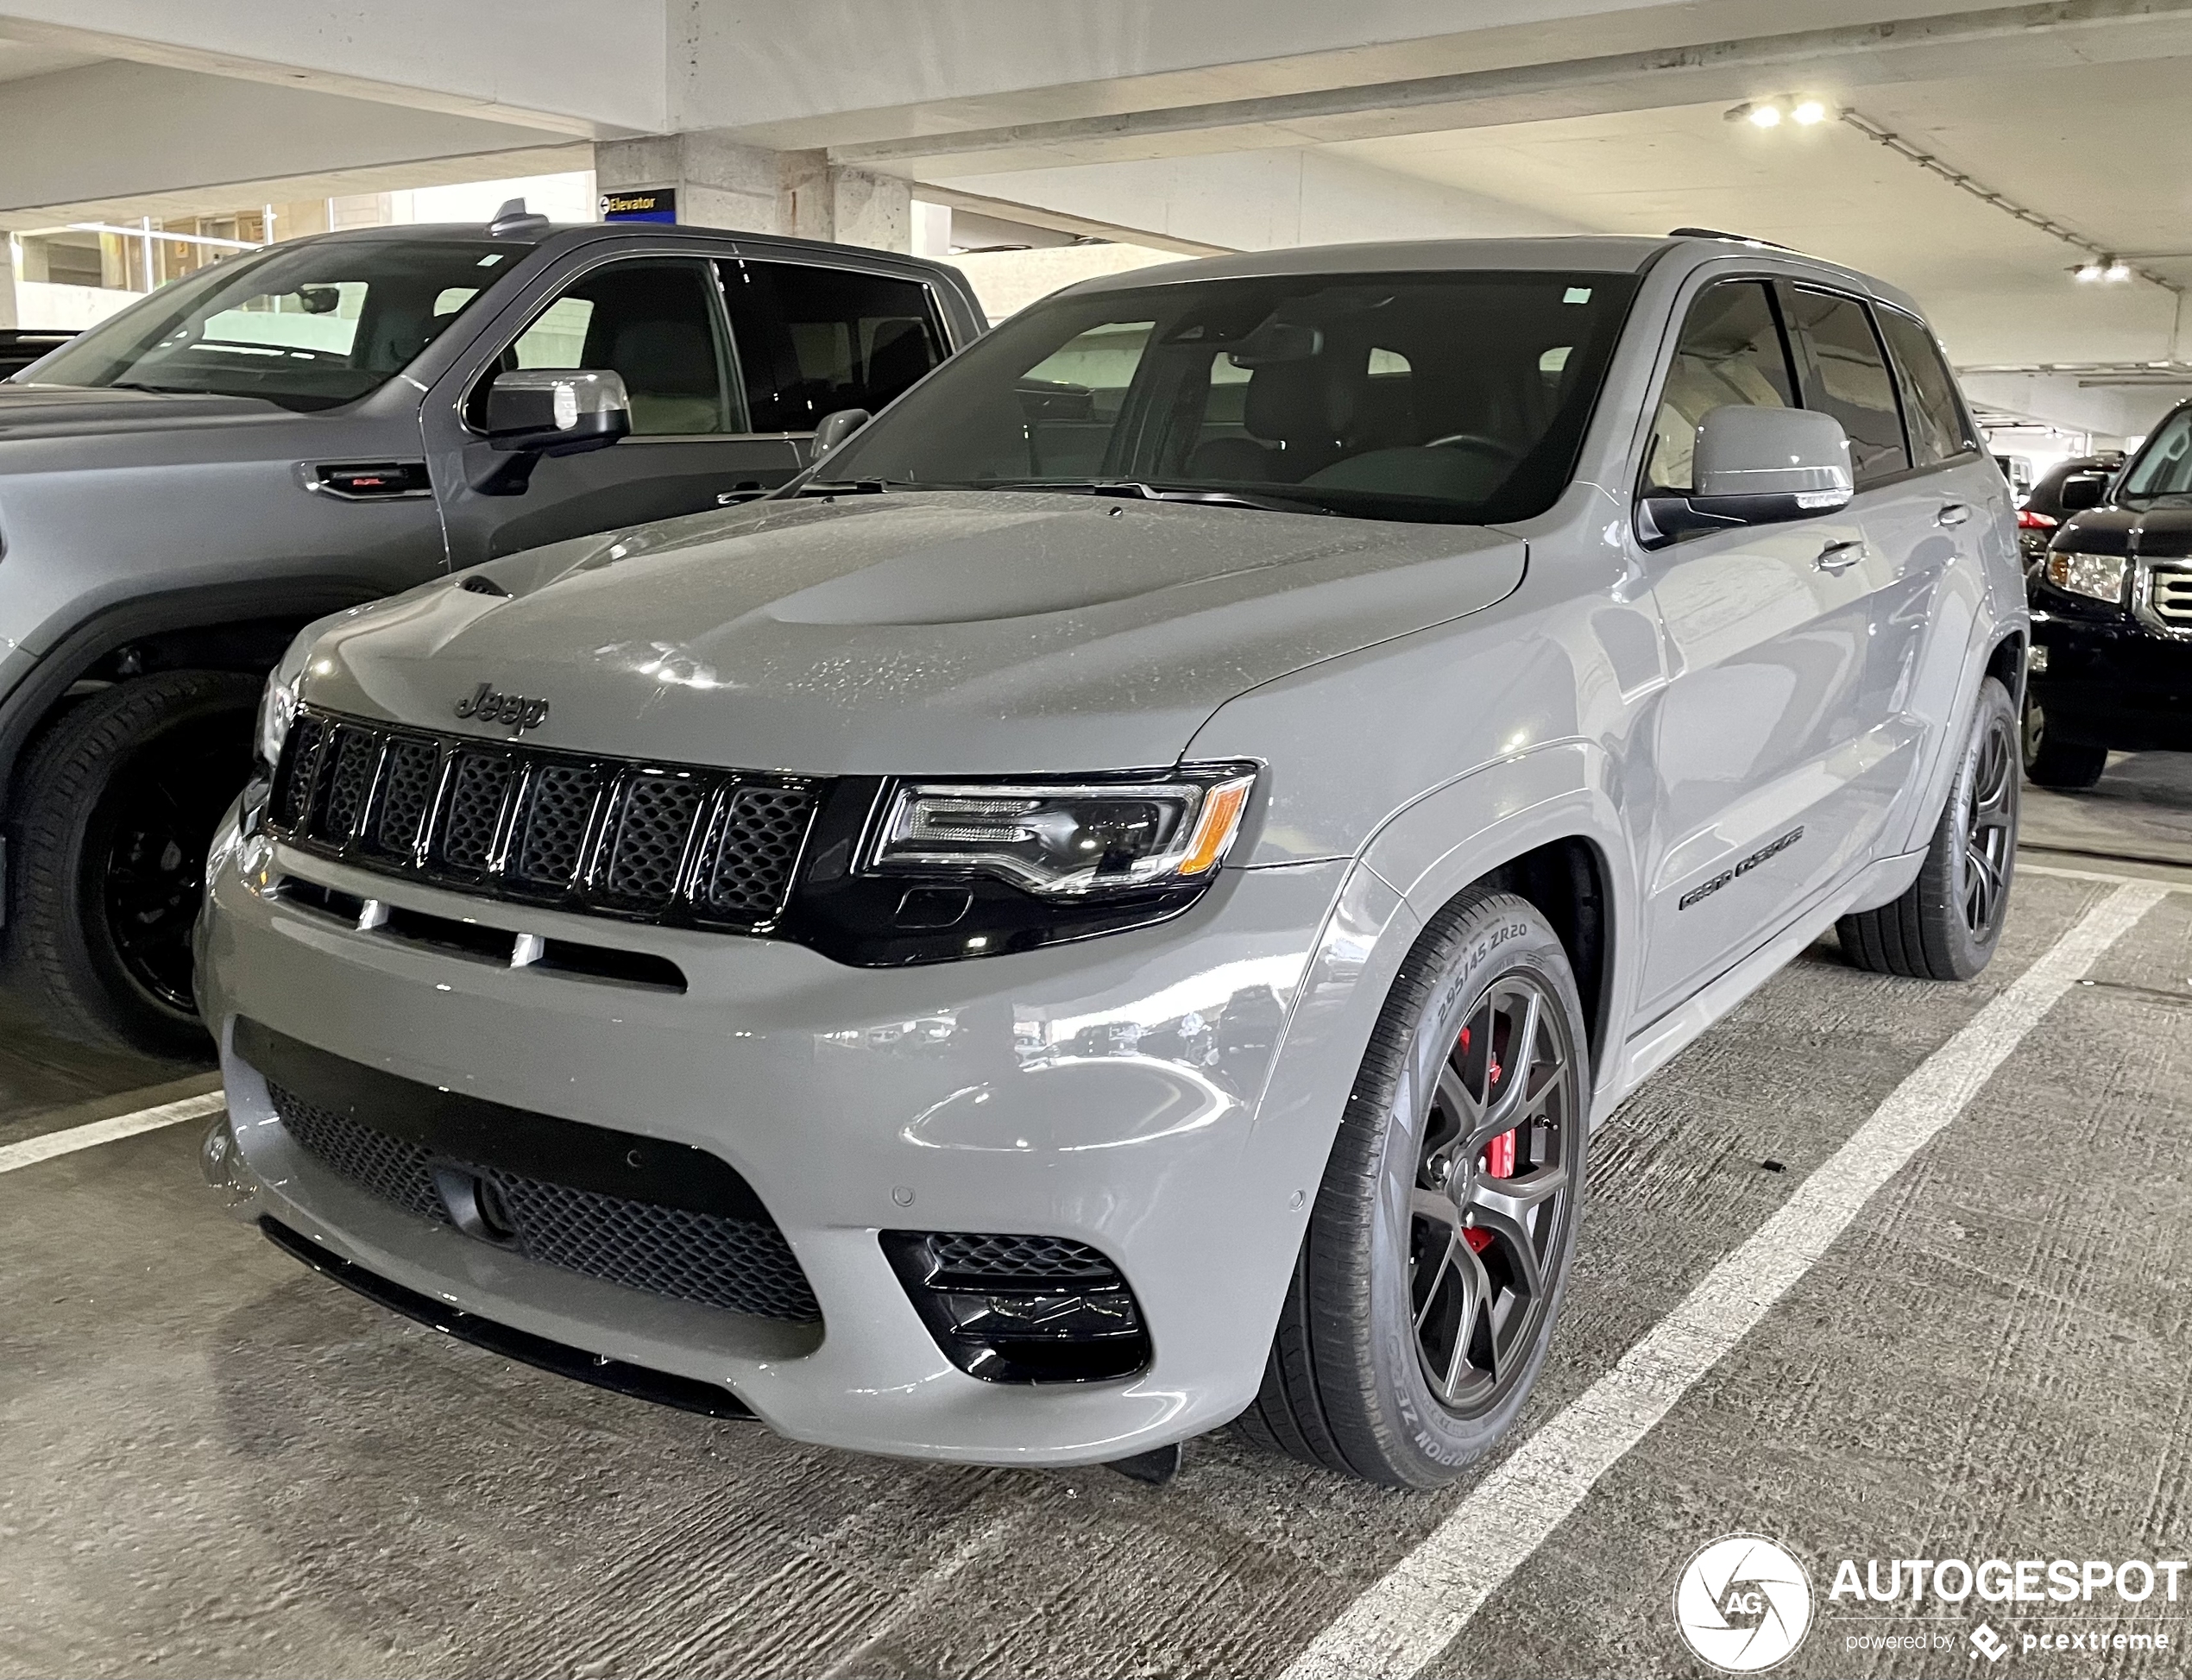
x: 213, y: 1460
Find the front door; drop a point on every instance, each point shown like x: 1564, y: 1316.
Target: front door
x: 1758, y: 734
x: 657, y: 322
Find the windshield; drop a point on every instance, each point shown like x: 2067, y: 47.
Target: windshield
x: 2164, y: 466
x: 307, y: 326
x: 1444, y: 397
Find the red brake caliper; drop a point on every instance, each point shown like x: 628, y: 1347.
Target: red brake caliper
x: 1499, y: 1154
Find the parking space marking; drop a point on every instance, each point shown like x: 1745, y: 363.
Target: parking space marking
x: 46, y: 1147
x: 2057, y: 869
x: 1412, y: 1612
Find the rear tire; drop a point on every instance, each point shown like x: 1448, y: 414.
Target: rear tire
x: 1423, y: 1301
x: 2051, y: 762
x: 117, y: 807
x: 1945, y: 927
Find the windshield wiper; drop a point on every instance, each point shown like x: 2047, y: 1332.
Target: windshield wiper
x: 843, y: 487
x: 1144, y: 491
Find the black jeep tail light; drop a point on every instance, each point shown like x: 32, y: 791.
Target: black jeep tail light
x: 1021, y: 1309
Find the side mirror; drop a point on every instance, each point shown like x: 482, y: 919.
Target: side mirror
x: 2083, y: 490
x: 536, y: 412
x: 1756, y: 466
x: 835, y: 428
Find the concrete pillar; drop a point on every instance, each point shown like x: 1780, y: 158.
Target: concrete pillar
x: 7, y: 315
x: 724, y: 183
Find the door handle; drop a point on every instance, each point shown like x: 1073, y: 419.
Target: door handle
x: 1954, y: 514
x: 1841, y: 556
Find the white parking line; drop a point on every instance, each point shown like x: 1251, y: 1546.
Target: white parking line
x: 1414, y: 1612
x: 32, y: 1151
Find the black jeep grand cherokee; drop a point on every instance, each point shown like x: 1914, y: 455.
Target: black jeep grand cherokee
x: 2112, y: 617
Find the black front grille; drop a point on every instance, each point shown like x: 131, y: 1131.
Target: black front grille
x: 744, y: 1265
x: 606, y: 836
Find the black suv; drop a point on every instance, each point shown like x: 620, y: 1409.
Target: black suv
x: 2112, y: 616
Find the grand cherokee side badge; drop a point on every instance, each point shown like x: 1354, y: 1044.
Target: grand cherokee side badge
x: 517, y: 710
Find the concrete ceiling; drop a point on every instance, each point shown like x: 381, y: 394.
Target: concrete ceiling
x: 2055, y: 142
x: 19, y: 59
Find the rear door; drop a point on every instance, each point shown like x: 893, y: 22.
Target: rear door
x: 658, y: 321
x: 1843, y: 362
x: 1756, y: 734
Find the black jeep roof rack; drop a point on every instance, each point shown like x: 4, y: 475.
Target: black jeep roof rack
x: 1722, y: 233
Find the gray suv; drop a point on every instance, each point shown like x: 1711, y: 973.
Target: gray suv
x: 335, y: 420
x: 1114, y: 903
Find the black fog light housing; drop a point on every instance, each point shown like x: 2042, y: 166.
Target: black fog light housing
x: 1021, y: 1309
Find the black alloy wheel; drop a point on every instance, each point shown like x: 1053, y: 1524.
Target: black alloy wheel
x: 1988, y: 806
x: 2051, y: 762
x: 1944, y: 926
x: 115, y: 812
x: 146, y: 850
x: 1429, y: 1280
x: 1491, y: 1199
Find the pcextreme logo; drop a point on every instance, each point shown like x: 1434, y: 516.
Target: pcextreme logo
x: 1743, y: 1604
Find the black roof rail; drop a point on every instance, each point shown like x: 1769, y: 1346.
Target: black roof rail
x: 1722, y: 233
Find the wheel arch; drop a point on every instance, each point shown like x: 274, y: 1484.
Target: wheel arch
x: 239, y: 628
x: 1555, y: 836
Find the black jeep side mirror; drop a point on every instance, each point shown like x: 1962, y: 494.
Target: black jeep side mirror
x: 836, y: 429
x: 2083, y: 490
x: 536, y: 412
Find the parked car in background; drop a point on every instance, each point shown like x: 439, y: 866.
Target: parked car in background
x: 2041, y: 512
x: 2018, y: 469
x: 332, y: 420
x: 1119, y: 897
x: 20, y: 346
x: 2112, y: 615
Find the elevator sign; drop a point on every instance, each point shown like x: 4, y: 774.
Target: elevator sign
x: 654, y: 204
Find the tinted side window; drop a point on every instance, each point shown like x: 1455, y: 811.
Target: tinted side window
x: 1730, y: 352
x: 655, y: 323
x: 1936, y: 421
x: 813, y: 340
x: 1847, y: 376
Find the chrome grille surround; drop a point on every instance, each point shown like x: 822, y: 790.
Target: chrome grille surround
x: 2162, y: 595
x: 677, y: 845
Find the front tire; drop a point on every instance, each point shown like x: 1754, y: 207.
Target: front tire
x: 2051, y: 762
x: 118, y: 805
x: 1945, y: 927
x: 1423, y: 1302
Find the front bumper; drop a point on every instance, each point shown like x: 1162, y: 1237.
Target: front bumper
x: 1106, y: 1093
x: 2111, y: 683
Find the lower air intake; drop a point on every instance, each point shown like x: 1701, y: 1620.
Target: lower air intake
x: 687, y: 1227
x: 1021, y: 1309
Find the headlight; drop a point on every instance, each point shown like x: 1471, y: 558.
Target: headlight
x: 278, y: 702
x: 1067, y: 840
x: 277, y: 707
x: 2100, y: 575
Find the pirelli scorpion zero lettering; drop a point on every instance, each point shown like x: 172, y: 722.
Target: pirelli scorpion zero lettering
x: 1772, y: 849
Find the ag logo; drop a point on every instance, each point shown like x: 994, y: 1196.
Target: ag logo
x: 1743, y: 1604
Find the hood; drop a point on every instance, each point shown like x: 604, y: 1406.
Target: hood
x: 938, y: 632
x: 69, y: 411
x: 2159, y: 529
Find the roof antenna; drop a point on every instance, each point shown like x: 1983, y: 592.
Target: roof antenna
x: 514, y: 217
